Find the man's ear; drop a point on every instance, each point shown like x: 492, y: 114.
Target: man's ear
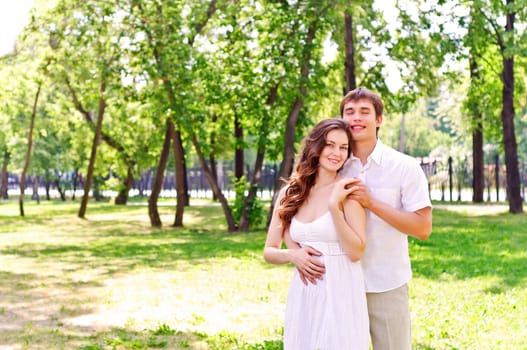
x: 379, y: 120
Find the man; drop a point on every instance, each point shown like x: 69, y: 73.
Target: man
x: 394, y: 190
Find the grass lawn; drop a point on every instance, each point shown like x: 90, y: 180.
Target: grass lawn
x: 113, y: 282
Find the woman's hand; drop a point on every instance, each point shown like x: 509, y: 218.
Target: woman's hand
x: 309, y: 268
x: 341, y: 190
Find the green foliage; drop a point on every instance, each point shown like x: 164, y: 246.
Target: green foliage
x: 164, y: 329
x: 245, y: 62
x: 256, y: 213
x: 226, y: 340
x: 484, y: 94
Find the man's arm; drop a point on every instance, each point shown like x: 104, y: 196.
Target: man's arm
x: 417, y: 224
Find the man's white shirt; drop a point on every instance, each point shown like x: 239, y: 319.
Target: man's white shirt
x: 397, y: 180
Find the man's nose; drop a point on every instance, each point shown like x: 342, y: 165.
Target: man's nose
x: 355, y: 116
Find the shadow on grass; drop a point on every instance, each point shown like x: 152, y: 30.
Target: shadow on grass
x: 463, y: 247
x: 163, y: 337
x: 460, y: 247
x: 154, y: 250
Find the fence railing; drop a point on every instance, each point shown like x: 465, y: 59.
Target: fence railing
x: 448, y: 181
x: 452, y: 181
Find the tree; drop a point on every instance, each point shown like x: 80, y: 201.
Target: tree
x: 476, y: 44
x: 3, y: 174
x: 87, y: 42
x: 351, y: 80
x: 154, y: 19
x: 307, y: 27
x: 92, y: 35
x: 505, y: 40
x: 28, y: 152
x: 29, y: 82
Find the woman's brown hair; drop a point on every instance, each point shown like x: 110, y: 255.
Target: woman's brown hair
x: 306, y: 169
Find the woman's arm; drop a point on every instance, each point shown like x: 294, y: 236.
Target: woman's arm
x: 350, y: 220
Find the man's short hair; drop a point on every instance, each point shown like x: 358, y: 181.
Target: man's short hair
x: 363, y: 94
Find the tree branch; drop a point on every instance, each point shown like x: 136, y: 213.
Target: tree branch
x: 494, y: 25
x: 78, y: 105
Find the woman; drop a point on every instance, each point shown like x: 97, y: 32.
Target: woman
x: 314, y: 214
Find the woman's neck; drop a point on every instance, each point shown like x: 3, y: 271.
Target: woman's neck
x: 325, y: 178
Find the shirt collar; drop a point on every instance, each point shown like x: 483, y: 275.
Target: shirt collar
x: 375, y: 155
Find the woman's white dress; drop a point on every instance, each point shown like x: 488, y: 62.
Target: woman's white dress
x: 331, y: 315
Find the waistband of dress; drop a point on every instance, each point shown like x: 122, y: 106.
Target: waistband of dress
x: 326, y: 248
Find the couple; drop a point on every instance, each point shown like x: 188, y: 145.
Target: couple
x: 345, y: 225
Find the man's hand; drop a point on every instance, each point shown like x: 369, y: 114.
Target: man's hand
x: 358, y: 191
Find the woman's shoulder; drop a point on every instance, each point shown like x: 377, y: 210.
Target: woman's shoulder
x: 282, y: 192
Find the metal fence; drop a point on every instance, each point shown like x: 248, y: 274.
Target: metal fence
x: 448, y: 181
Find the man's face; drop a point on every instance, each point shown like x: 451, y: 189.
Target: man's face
x: 363, y: 122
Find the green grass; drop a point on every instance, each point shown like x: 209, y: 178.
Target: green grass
x: 113, y: 282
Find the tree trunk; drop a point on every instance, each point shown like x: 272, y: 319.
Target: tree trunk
x: 239, y: 171
x: 251, y: 196
x: 244, y: 221
x: 286, y: 166
x: 478, y: 180
x: 212, y: 159
x: 238, y: 153
x: 75, y: 181
x: 122, y: 196
x: 159, y: 57
x: 288, y: 158
x: 61, y: 191
x: 4, y: 179
x: 214, y: 186
x: 35, y: 195
x: 181, y: 179
x: 478, y: 185
x: 93, y: 155
x: 47, y: 185
x: 350, y: 61
x: 185, y: 178
x: 28, y: 152
x: 402, y: 134
x: 144, y: 184
x: 153, y: 213
x: 96, y: 189
x: 509, y: 137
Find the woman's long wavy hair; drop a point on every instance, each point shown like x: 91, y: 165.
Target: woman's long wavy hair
x: 306, y: 169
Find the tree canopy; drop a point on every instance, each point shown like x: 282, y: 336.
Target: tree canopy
x: 125, y: 84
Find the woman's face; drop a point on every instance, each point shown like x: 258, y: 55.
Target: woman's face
x: 335, y: 152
